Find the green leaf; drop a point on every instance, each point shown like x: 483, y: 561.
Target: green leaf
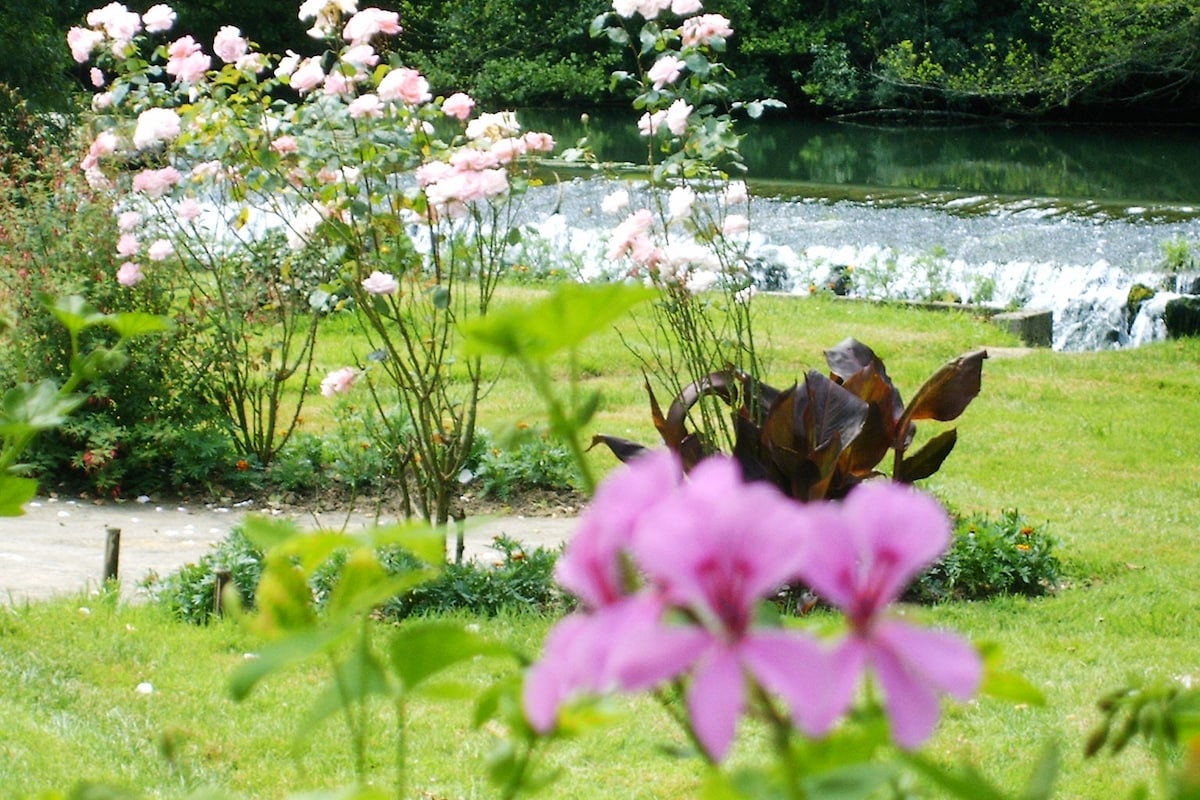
x: 356, y: 679
x: 276, y: 656
x: 15, y: 492
x: 560, y: 321
x: 854, y: 782
x: 422, y: 650
x: 131, y: 324
x: 967, y: 785
x: 267, y: 533
x: 34, y: 407
x: 73, y: 312
x: 424, y: 541
x: 1005, y: 685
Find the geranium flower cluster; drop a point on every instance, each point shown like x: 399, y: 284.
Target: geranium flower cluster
x: 670, y: 572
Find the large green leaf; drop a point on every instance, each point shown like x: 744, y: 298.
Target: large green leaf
x: 15, y: 492
x: 73, y: 312
x: 30, y: 407
x: 558, y: 322
x: 131, y: 324
x: 361, y: 676
x: 423, y: 649
x: 278, y: 655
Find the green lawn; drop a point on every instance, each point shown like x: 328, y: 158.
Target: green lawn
x: 1100, y: 447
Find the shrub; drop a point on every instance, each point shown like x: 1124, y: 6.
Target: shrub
x: 533, y: 462
x: 522, y: 581
x: 189, y: 593
x: 992, y: 556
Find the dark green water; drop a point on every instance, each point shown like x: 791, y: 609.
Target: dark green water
x: 1110, y: 165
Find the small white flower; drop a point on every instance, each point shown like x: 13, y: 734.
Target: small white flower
x: 145, y: 687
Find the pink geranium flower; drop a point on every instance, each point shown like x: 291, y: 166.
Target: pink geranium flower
x: 590, y: 567
x: 861, y: 558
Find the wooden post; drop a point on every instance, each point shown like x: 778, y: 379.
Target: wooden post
x: 112, y: 553
x: 223, y: 577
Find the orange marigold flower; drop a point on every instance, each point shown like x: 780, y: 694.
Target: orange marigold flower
x: 242, y: 465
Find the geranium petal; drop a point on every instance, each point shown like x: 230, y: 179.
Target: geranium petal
x: 913, y: 665
x: 715, y: 700
x: 946, y: 662
x: 590, y: 567
x: 817, y: 684
x: 899, y: 530
x: 642, y: 651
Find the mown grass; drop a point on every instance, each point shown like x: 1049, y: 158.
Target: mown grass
x: 1101, y: 447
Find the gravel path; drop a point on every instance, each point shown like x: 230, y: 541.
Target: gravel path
x: 58, y: 546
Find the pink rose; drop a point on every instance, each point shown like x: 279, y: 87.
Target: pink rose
x: 339, y: 381
x: 229, y: 44
x: 361, y: 56
x: 105, y: 144
x: 380, y: 283
x: 336, y: 84
x: 367, y: 105
x: 186, y: 60
x: 285, y: 144
x: 127, y: 245
x: 666, y: 70
x: 189, y: 209
x: 308, y: 76
x: 735, y: 224
x: 406, y: 85
x: 128, y: 220
x: 155, y: 125
x: 129, y: 274
x: 82, y: 42
x: 677, y: 117
x: 96, y: 77
x: 155, y: 182
x: 160, y: 250
x: 158, y: 18
x: 538, y: 142
x: 704, y: 28
x: 648, y: 123
x: 685, y: 7
x: 458, y: 105
x: 118, y: 22
x: 369, y: 22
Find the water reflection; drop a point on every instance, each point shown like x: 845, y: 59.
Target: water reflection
x: 1115, y: 165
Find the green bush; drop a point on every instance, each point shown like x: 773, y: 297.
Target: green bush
x: 1001, y: 556
x: 189, y: 594
x: 533, y: 462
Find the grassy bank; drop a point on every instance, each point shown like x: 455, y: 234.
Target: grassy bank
x: 1100, y: 447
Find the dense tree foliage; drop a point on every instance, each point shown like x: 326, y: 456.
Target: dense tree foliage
x: 989, y: 56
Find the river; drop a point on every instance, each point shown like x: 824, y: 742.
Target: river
x: 1035, y: 217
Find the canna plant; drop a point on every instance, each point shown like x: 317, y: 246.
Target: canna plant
x: 827, y: 433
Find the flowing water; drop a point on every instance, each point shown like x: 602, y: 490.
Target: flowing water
x: 1066, y: 219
